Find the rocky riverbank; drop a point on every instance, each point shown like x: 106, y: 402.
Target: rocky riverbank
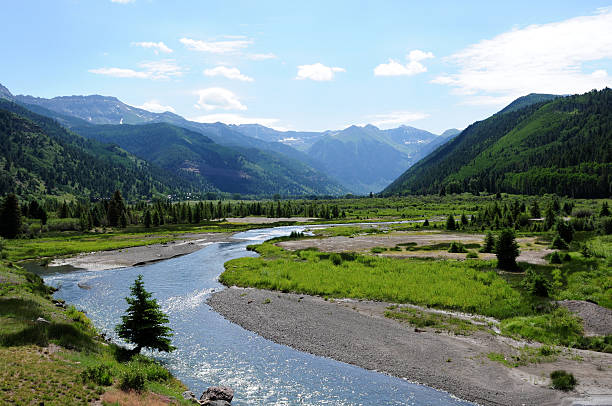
x: 357, y: 332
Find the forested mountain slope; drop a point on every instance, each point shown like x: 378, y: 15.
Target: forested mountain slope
x: 38, y: 156
x: 230, y: 169
x: 562, y: 146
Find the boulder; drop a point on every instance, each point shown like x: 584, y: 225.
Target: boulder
x: 189, y: 395
x: 215, y: 403
x: 40, y: 320
x: 217, y: 393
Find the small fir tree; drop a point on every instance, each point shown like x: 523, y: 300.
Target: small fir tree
x: 143, y: 323
x: 489, y: 243
x: 450, y: 223
x: 10, y: 217
x: 506, y: 250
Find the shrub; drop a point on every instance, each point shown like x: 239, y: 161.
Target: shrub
x: 555, y: 258
x: 378, y: 250
x: 565, y: 231
x: 100, y: 374
x: 471, y: 254
x: 605, y: 225
x: 559, y: 243
x: 567, y: 257
x: 336, y: 259
x: 536, y: 283
x: 563, y: 380
x: 456, y: 247
x: 133, y: 379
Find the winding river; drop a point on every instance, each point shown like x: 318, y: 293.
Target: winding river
x: 212, y: 350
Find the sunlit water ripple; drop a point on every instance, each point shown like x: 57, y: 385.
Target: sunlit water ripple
x: 212, y: 350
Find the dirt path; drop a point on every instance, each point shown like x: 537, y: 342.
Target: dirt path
x: 358, y: 333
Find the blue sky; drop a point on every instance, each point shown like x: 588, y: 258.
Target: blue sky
x: 310, y: 65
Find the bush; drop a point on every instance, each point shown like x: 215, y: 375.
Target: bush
x: 100, y: 374
x: 336, y: 259
x: 133, y: 379
x: 567, y: 257
x: 555, y: 258
x: 378, y: 250
x: 559, y: 243
x: 565, y: 231
x: 456, y: 247
x: 536, y: 283
x: 563, y: 380
x: 559, y: 328
x: 471, y: 254
x: 152, y: 370
x: 605, y: 225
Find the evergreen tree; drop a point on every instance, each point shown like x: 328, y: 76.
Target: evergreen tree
x: 143, y: 323
x: 147, y: 219
x: 506, y: 250
x: 10, y: 217
x: 535, y: 211
x: 489, y: 243
x: 116, y: 208
x: 605, y: 211
x: 450, y: 223
x: 464, y: 220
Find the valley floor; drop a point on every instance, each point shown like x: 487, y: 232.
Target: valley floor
x: 358, y: 333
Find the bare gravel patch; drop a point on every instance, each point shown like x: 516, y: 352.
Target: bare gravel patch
x: 356, y: 332
x: 597, y: 320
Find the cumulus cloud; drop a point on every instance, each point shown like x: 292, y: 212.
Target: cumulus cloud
x: 548, y: 58
x: 218, y: 98
x: 156, y: 107
x: 413, y: 67
x: 216, y: 47
x: 229, y: 73
x: 156, y: 46
x: 318, y: 72
x: 229, y: 118
x: 164, y: 69
x: 396, y: 118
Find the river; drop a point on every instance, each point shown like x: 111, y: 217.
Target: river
x: 211, y: 350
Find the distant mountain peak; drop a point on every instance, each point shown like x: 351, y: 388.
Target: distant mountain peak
x: 5, y: 93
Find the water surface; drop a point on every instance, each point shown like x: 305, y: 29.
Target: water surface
x: 212, y: 350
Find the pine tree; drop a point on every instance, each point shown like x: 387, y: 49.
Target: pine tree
x: 489, y: 243
x: 147, y: 219
x: 506, y: 250
x: 10, y: 217
x: 143, y: 324
x: 116, y: 208
x: 450, y: 223
x: 605, y: 211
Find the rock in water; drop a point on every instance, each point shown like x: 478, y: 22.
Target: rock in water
x: 214, y: 393
x: 215, y: 403
x: 189, y: 395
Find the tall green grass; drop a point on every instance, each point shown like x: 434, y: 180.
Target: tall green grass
x: 469, y: 286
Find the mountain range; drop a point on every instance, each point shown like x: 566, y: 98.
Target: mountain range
x: 538, y: 144
x: 345, y: 161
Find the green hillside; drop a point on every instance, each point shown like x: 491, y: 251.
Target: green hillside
x: 38, y: 156
x: 230, y: 169
x: 562, y: 146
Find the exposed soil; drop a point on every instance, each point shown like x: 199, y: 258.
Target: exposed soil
x: 142, y: 255
x: 597, y: 320
x: 358, y: 333
x: 531, y: 253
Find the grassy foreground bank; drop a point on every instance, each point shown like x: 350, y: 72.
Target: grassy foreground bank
x: 53, y: 355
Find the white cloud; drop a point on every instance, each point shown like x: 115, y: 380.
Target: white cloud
x: 215, y: 98
x: 413, y: 67
x: 156, y: 107
x: 396, y: 118
x: 163, y: 69
x: 261, y: 57
x: 156, y: 46
x: 122, y: 1
x: 237, y: 119
x: 216, y: 47
x: 547, y: 58
x: 318, y: 72
x: 229, y: 73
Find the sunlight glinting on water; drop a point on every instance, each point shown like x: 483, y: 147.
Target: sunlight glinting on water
x: 211, y: 350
